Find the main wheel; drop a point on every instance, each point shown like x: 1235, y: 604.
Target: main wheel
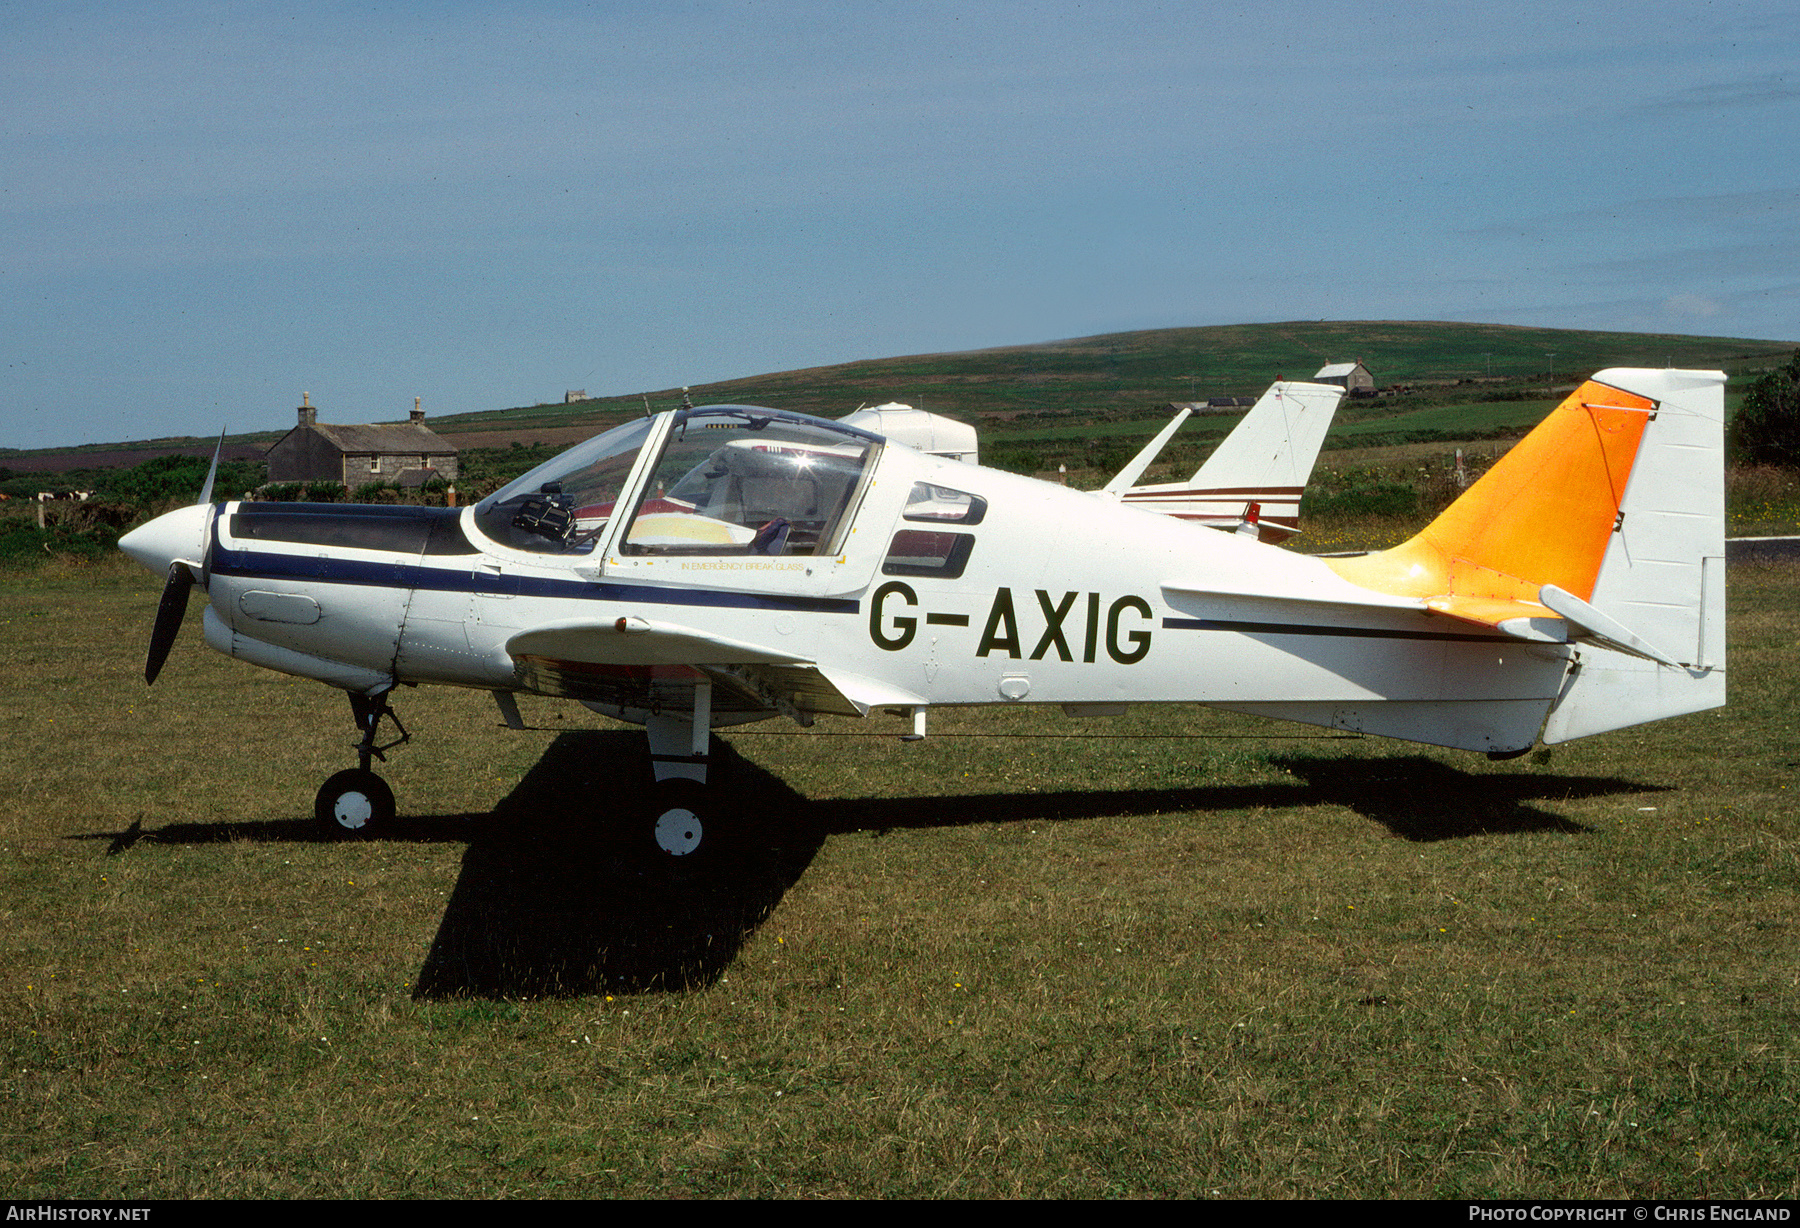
x: 354, y: 802
x: 679, y: 819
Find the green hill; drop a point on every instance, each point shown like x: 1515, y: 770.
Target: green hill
x: 1089, y: 402
x: 1092, y: 398
x: 1133, y: 373
x: 1086, y: 405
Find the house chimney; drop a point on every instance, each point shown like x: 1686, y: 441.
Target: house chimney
x: 308, y: 415
x: 418, y: 414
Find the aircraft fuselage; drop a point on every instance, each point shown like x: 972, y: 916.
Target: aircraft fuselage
x: 989, y: 588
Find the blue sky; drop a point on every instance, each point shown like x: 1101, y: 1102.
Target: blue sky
x: 206, y: 209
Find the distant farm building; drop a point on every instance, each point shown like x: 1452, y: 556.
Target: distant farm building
x: 1212, y: 405
x: 575, y: 394
x: 407, y: 453
x: 1350, y: 376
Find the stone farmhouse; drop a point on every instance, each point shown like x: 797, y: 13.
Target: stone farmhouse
x: 406, y: 453
x: 1353, y: 377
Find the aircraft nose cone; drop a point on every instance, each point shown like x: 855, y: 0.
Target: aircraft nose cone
x: 180, y: 534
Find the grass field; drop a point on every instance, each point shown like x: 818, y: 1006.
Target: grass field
x: 1175, y: 953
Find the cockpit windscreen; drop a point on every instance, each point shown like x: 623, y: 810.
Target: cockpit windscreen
x: 563, y: 505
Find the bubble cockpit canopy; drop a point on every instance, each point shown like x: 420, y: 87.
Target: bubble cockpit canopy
x: 730, y: 479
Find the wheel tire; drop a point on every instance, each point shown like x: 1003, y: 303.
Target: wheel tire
x: 354, y: 804
x: 683, y: 827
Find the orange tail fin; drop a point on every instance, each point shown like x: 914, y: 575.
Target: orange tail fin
x: 1543, y: 515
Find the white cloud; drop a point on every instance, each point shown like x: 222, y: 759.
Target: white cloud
x: 1691, y: 306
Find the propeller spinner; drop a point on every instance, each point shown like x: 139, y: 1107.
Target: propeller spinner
x: 175, y: 543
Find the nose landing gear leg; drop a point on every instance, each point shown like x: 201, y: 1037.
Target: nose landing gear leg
x: 356, y: 802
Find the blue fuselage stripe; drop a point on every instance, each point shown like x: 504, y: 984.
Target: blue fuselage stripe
x: 1375, y: 633
x: 255, y: 564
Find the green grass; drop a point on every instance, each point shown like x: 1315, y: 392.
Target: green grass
x: 1762, y: 501
x: 1175, y: 953
x: 1455, y: 421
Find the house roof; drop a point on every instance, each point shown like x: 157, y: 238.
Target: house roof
x: 401, y: 437
x: 1337, y: 370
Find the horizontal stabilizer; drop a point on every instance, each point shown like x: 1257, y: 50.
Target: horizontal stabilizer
x: 1556, y: 617
x: 1326, y: 593
x: 1589, y: 623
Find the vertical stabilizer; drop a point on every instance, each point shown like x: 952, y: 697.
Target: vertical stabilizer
x: 1543, y: 514
x: 1265, y: 460
x: 1278, y: 441
x: 1663, y: 572
x: 1603, y: 529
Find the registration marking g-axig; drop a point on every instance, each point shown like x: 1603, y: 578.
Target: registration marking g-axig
x: 1126, y: 643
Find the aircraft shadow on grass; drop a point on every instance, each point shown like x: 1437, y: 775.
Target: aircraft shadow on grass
x: 555, y: 896
x: 1414, y: 797
x: 562, y: 893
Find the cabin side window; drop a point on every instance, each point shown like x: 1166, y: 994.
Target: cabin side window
x: 918, y: 552
x: 936, y: 504
x: 563, y: 505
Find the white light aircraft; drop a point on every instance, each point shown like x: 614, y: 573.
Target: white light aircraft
x: 708, y: 566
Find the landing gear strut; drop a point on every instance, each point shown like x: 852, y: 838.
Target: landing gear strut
x: 684, y: 823
x: 357, y: 802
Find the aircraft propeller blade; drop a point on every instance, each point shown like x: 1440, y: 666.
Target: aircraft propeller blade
x: 169, y: 613
x: 205, y: 500
x: 213, y: 471
x: 172, y: 607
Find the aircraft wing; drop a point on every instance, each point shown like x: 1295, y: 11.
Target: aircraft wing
x: 630, y: 641
x: 633, y: 662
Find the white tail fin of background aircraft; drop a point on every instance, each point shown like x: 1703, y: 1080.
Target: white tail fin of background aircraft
x: 1265, y: 461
